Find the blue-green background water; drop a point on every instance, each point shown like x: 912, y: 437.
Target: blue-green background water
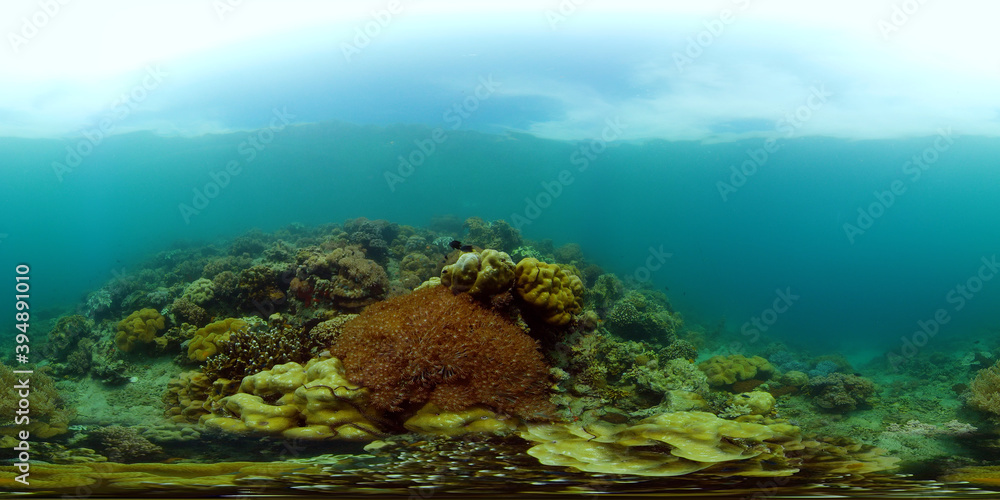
x: 781, y: 230
x: 511, y: 102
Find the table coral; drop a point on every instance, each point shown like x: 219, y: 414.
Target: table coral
x: 552, y: 292
x: 435, y: 346
x: 140, y: 326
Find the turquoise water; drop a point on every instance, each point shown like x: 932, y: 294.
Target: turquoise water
x: 797, y: 224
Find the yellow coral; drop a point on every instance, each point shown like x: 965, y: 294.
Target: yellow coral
x: 554, y: 293
x: 140, y: 326
x: 433, y: 420
x: 727, y: 370
x: 695, y: 440
x: 488, y: 272
x: 316, y: 402
x: 206, y: 340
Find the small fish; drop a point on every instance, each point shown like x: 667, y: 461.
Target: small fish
x: 457, y: 245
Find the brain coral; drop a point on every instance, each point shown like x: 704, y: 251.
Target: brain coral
x: 140, y: 326
x: 556, y: 295
x: 435, y: 346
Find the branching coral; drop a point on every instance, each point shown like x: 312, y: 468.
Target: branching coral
x: 253, y: 349
x: 140, y: 326
x: 435, y: 346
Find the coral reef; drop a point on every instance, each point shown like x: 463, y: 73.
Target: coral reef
x: 725, y: 371
x: 64, y: 337
x: 140, y: 326
x: 314, y: 401
x: 605, y: 292
x: 483, y: 273
x: 49, y: 417
x: 551, y: 292
x: 343, y: 277
x: 439, y: 347
x: 839, y: 392
x: 123, y: 444
x: 186, y: 396
x: 206, y: 340
x: 184, y: 310
x: 635, y: 317
x: 497, y: 234
x: 668, y: 444
x: 373, y: 236
x: 250, y: 350
x: 985, y: 390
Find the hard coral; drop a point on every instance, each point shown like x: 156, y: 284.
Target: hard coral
x: 483, y: 273
x: 251, y: 350
x: 206, y: 340
x: 985, y: 389
x: 555, y: 294
x: 497, y: 234
x: 439, y: 347
x: 344, y: 277
x: 140, y: 326
x: 842, y: 392
x: 727, y: 370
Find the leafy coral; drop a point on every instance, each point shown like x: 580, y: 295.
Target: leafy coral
x: 439, y: 347
x: 140, y: 326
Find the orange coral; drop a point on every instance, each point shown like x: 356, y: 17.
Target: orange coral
x: 435, y: 346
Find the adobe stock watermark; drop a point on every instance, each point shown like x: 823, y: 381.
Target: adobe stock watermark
x: 787, y: 126
x: 32, y: 25
x: 914, y: 170
x: 581, y: 159
x: 757, y: 325
x: 900, y: 15
x: 248, y: 149
x: 655, y: 259
x: 454, y: 116
x: 123, y: 106
x: 223, y: 8
x: 713, y: 29
x: 563, y: 11
x: 371, y: 29
x: 957, y: 298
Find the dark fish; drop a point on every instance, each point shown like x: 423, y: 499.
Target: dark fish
x: 455, y: 244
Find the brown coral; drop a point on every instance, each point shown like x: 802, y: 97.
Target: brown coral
x: 552, y: 291
x: 344, y: 277
x: 985, y: 390
x: 439, y: 347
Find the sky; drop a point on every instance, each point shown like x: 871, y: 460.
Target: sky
x: 711, y: 71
